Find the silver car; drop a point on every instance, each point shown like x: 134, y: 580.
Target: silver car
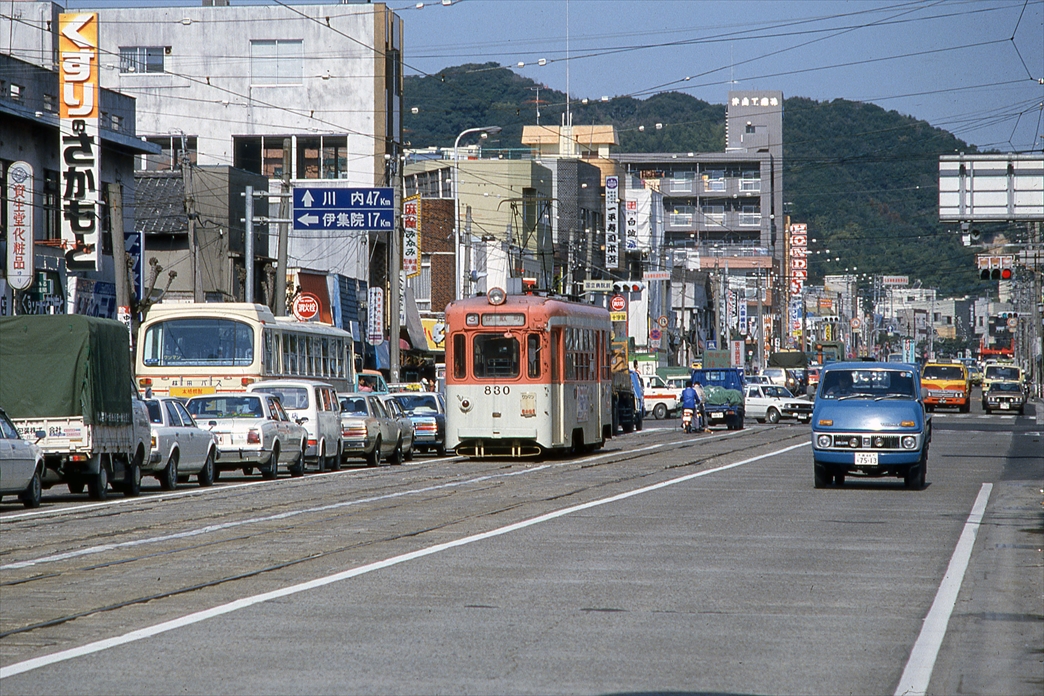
x: 180, y: 448
x: 253, y: 430
x: 21, y: 465
x: 397, y: 413
x: 367, y: 430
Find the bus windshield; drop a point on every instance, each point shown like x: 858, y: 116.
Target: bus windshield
x: 208, y: 342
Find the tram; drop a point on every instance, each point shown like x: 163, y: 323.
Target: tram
x: 526, y: 375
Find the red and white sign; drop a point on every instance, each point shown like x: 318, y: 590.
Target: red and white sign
x: 79, y: 114
x: 736, y: 353
x: 306, y: 306
x: 411, y: 257
x: 618, y: 303
x: 894, y: 281
x: 650, y: 276
x: 798, y: 263
x: 20, y: 259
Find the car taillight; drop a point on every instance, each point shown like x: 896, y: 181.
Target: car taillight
x: 153, y: 442
x: 254, y: 437
x: 313, y: 443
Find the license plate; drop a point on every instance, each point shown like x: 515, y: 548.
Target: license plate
x: 942, y: 401
x: 866, y: 458
x: 1005, y: 407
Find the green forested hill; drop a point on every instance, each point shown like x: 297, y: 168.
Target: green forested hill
x: 863, y: 178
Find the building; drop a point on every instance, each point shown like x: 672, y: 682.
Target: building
x: 307, y: 92
x: 29, y: 133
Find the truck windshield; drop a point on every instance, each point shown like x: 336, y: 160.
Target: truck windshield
x: 943, y: 372
x: 842, y: 384
x: 203, y: 342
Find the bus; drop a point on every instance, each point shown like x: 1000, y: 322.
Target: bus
x: 195, y: 349
x: 527, y: 375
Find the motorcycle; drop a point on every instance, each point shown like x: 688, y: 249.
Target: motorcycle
x: 687, y: 414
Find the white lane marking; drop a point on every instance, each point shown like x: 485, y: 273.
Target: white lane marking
x: 918, y: 671
x: 196, y: 617
x: 91, y: 550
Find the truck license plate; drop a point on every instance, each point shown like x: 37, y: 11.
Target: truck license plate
x: 866, y: 458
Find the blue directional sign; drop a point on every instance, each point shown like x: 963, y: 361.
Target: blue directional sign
x: 347, y: 209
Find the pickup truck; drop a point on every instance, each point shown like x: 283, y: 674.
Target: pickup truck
x: 723, y: 395
x: 70, y: 376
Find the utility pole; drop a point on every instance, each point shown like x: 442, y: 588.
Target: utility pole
x: 279, y: 299
x: 248, y: 246
x: 190, y: 212
x: 394, y: 280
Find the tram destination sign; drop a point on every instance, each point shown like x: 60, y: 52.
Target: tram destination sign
x: 347, y: 209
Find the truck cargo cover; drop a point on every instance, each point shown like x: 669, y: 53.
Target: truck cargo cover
x: 65, y: 366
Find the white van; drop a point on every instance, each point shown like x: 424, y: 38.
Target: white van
x: 315, y: 407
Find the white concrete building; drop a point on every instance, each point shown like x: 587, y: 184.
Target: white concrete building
x: 228, y: 84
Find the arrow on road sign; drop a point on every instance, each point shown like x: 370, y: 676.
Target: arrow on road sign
x: 308, y: 219
x: 307, y: 199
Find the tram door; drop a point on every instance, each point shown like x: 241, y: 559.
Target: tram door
x: 556, y: 395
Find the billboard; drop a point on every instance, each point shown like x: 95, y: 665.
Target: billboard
x: 984, y: 188
x: 411, y: 257
x: 20, y: 260
x: 79, y: 90
x: 612, y: 222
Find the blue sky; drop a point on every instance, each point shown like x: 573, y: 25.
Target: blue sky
x: 972, y: 67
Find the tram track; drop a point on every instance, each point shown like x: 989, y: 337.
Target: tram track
x: 450, y: 500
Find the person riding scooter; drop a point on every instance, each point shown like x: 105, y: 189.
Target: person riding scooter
x: 689, y: 404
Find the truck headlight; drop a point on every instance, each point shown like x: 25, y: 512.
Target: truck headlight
x: 823, y: 441
x: 909, y: 442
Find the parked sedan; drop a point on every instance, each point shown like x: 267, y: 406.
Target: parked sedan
x: 403, y: 420
x: 367, y: 430
x: 767, y: 402
x: 180, y: 448
x: 427, y: 410
x: 21, y: 464
x: 253, y: 430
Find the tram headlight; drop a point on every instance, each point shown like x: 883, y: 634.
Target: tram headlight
x: 465, y: 405
x: 496, y: 296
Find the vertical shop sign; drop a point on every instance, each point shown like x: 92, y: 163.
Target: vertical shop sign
x: 631, y: 224
x: 80, y: 157
x: 375, y: 317
x: 612, y: 223
x: 20, y: 263
x: 411, y: 231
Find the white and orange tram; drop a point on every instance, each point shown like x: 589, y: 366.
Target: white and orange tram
x: 526, y: 375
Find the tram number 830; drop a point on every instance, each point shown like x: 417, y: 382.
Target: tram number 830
x: 497, y: 390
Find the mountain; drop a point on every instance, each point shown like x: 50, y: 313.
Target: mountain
x: 864, y: 179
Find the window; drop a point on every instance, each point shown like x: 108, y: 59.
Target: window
x: 533, y: 355
x: 496, y: 355
x: 50, y: 103
x: 460, y: 364
x: 16, y: 92
x: 750, y: 180
x: 714, y: 180
x: 203, y: 342
x: 172, y: 414
x: 173, y: 147
x: 714, y: 213
x: 681, y: 215
x: 141, y: 59
x: 276, y: 62
x: 749, y: 128
x: 750, y: 216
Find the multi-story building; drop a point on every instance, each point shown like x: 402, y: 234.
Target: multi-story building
x: 318, y: 87
x: 29, y: 133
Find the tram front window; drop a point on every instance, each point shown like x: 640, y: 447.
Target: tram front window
x: 495, y: 355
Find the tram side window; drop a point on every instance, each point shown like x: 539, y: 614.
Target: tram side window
x: 460, y: 364
x: 496, y: 355
x: 533, y: 355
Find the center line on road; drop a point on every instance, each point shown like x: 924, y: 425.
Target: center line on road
x: 918, y: 671
x: 196, y: 617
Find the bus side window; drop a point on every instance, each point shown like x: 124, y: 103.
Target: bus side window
x: 533, y: 355
x: 460, y: 364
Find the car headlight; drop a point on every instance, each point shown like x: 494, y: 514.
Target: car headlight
x: 909, y: 442
x: 854, y: 442
x: 823, y: 441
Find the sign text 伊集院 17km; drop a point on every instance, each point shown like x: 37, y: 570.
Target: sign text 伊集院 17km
x: 346, y: 209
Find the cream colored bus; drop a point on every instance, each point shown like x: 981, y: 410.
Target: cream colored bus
x: 187, y: 349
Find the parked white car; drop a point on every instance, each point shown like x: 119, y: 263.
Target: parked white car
x: 367, y: 429
x: 661, y: 400
x: 21, y: 465
x: 180, y: 448
x: 314, y: 406
x: 767, y: 402
x: 253, y: 430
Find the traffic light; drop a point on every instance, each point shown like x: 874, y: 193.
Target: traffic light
x: 995, y: 267
x: 628, y: 286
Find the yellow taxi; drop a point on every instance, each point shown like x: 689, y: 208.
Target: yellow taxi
x: 948, y: 385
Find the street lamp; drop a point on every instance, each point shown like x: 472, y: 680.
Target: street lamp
x: 485, y: 130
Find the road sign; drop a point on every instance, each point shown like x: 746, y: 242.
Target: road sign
x: 618, y: 303
x: 617, y: 316
x: 855, y: 323
x: 654, y: 334
x: 1013, y: 323
x: 663, y: 321
x: 306, y: 306
x: 345, y: 209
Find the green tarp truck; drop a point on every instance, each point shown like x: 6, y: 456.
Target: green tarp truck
x: 70, y: 377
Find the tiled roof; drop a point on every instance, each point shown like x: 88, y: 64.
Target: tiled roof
x: 160, y: 203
